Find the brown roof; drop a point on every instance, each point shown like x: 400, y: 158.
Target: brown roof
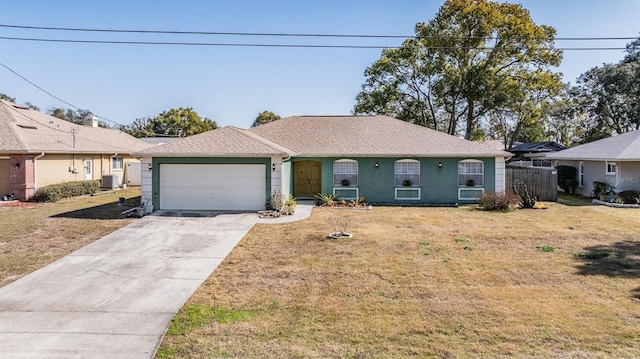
x: 23, y: 130
x: 336, y: 136
x: 227, y: 141
x: 378, y: 136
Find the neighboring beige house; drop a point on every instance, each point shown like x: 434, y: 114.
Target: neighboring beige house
x: 37, y: 150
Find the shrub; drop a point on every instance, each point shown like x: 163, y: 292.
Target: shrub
x: 526, y: 200
x: 630, y: 196
x: 56, y: 192
x: 326, y: 199
x: 567, y: 178
x: 600, y: 188
x: 491, y: 201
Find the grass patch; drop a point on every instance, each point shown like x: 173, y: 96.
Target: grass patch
x: 382, y: 296
x: 193, y: 317
x: 546, y: 248
x: 461, y: 240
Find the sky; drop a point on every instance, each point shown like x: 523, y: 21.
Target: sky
x: 231, y: 85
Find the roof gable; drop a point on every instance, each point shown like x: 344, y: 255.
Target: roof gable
x: 620, y: 147
x: 227, y: 141
x: 23, y: 130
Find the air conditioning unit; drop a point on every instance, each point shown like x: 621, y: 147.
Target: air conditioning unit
x: 110, y: 181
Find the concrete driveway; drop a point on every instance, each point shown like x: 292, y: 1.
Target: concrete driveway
x: 115, y: 297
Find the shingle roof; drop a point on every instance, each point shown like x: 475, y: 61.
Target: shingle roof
x: 625, y: 147
x: 380, y: 136
x: 24, y: 130
x: 227, y: 141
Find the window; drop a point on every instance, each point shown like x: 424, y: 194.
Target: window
x: 345, y: 173
x: 116, y: 163
x: 581, y: 174
x: 407, y: 173
x: 612, y: 168
x: 470, y: 173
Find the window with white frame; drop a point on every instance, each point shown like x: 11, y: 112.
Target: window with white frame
x: 345, y: 173
x: 581, y: 174
x: 407, y: 173
x: 470, y: 173
x: 612, y: 168
x: 116, y: 163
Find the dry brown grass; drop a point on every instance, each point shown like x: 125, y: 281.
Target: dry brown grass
x: 33, y: 235
x: 424, y: 282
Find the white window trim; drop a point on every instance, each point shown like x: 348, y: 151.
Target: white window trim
x: 333, y: 173
x: 396, y: 173
x: 606, y: 168
x: 467, y: 189
x: 470, y: 161
x: 581, y: 174
x: 113, y: 163
x: 346, y: 189
x: 405, y: 189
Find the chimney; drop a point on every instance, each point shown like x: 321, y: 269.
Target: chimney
x: 90, y: 121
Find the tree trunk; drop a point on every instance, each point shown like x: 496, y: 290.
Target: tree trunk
x: 470, y: 119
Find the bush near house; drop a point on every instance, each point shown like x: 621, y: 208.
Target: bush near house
x: 630, y: 196
x: 56, y: 192
x: 491, y: 201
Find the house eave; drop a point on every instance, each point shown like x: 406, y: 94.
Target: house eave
x: 204, y: 155
x: 601, y: 159
x: 396, y: 155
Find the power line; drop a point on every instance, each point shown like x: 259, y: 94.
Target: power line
x: 54, y: 96
x: 166, y: 43
x: 219, y: 33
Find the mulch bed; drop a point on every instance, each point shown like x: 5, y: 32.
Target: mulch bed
x: 18, y: 204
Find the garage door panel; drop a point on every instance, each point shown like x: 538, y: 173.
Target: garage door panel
x: 212, y: 187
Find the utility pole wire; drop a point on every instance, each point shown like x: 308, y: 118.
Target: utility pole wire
x: 175, y: 32
x: 52, y: 95
x: 112, y: 42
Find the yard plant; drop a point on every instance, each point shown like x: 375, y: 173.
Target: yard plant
x: 424, y: 282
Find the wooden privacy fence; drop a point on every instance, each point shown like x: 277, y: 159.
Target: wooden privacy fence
x: 541, y: 182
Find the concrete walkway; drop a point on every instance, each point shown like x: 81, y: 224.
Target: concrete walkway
x: 116, y: 297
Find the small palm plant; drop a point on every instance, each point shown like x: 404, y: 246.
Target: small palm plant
x: 326, y: 199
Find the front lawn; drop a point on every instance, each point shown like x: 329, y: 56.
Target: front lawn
x: 424, y: 282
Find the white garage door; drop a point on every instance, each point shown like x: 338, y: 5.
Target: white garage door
x: 212, y: 187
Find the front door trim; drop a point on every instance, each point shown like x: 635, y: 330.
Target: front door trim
x: 307, y: 178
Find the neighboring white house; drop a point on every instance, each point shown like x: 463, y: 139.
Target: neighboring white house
x: 614, y: 160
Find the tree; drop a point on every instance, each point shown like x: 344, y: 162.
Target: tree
x: 563, y: 121
x: 265, y: 117
x: 75, y: 116
x: 6, y: 97
x: 141, y: 127
x: 474, y: 57
x: 610, y: 96
x: 32, y: 106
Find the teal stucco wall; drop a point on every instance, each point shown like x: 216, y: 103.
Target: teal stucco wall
x: 158, y: 161
x: 438, y: 185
